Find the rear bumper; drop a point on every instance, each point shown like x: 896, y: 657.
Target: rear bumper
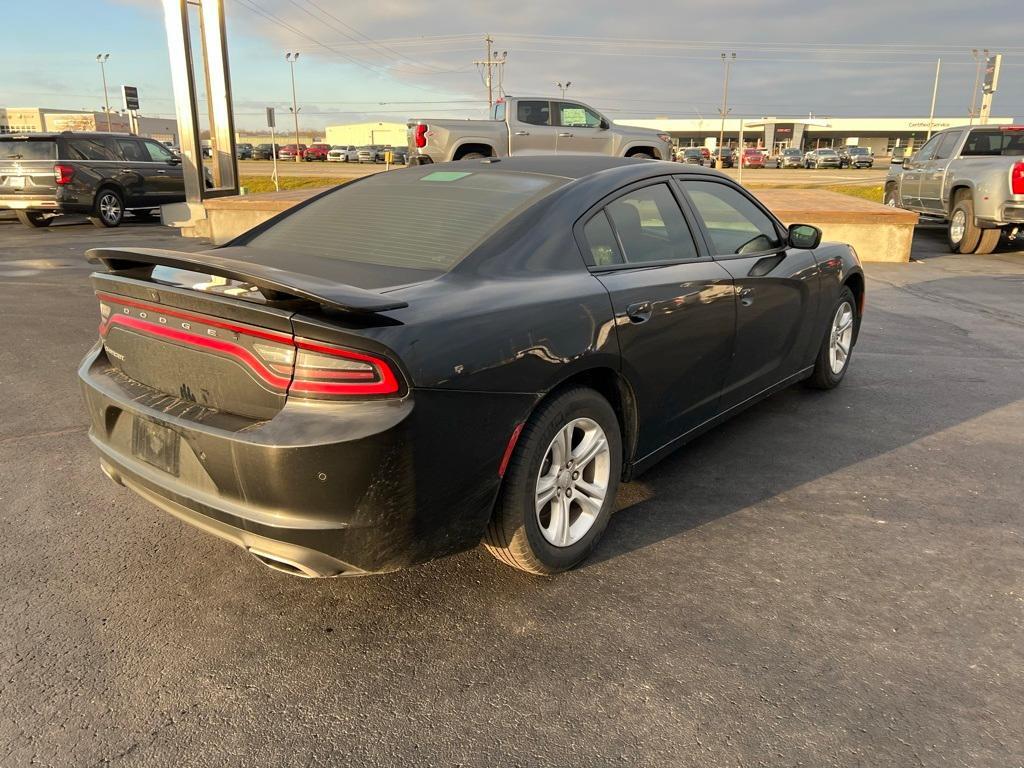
x: 27, y: 203
x: 321, y: 489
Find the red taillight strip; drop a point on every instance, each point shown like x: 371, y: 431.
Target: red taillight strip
x: 387, y: 385
x: 226, y: 347
x: 284, y: 338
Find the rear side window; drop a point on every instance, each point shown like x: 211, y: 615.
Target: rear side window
x: 91, y: 149
x: 650, y: 226
x: 993, y: 143
x: 734, y: 223
x: 534, y: 112
x: 425, y: 219
x: 604, y: 251
x: 27, y: 149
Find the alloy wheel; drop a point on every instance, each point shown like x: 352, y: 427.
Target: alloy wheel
x: 110, y: 208
x: 572, y: 482
x: 840, y: 338
x: 957, y: 226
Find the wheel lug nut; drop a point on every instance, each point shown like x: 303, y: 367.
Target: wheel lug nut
x: 575, y: 475
x: 568, y: 491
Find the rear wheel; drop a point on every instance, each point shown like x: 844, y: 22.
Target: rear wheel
x: 837, y: 346
x: 108, y: 210
x: 988, y: 242
x: 642, y: 155
x: 34, y: 219
x: 559, y: 489
x: 963, y: 234
x: 473, y: 156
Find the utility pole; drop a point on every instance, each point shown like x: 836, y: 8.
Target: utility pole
x: 935, y: 92
x: 564, y: 87
x: 977, y: 79
x: 291, y: 58
x: 490, y: 62
x: 101, y: 58
x: 727, y: 61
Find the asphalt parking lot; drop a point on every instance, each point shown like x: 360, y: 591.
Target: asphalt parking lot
x: 831, y: 579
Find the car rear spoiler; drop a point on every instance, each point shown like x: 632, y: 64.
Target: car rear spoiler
x: 348, y: 298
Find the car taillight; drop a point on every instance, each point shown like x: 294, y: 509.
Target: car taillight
x: 1017, y: 179
x: 421, y: 135
x: 327, y: 371
x: 665, y: 137
x: 62, y: 174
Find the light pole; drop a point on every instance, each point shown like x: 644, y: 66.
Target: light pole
x: 291, y: 58
x: 935, y: 92
x: 564, y: 87
x: 101, y: 59
x: 725, y: 101
x: 977, y: 78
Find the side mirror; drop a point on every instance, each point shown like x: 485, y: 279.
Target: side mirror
x: 804, y: 236
x: 175, y: 160
x: 605, y: 125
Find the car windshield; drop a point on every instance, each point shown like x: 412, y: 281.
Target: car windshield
x: 826, y: 151
x: 692, y: 152
x: 27, y: 149
x: 994, y: 143
x: 791, y: 152
x: 857, y: 151
x: 428, y: 220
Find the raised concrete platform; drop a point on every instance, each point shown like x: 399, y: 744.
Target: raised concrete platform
x: 876, y: 231
x: 879, y: 233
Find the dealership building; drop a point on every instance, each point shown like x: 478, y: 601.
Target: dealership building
x: 40, y: 119
x: 880, y: 134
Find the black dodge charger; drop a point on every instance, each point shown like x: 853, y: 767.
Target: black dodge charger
x: 410, y: 363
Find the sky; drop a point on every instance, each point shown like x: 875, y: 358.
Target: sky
x: 395, y: 59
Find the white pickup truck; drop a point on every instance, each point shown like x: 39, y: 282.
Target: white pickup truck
x: 532, y: 126
x: 970, y: 177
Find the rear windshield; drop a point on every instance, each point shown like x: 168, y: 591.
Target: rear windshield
x: 416, y: 219
x: 27, y: 149
x: 993, y: 143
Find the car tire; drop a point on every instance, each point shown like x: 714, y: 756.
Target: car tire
x: 962, y: 233
x: 473, y: 156
x: 889, y: 197
x: 34, y: 219
x: 642, y: 156
x: 988, y: 242
x: 832, y: 364
x: 108, y: 208
x: 523, y: 534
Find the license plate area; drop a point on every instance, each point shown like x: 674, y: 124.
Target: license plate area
x: 156, y: 445
x: 16, y: 182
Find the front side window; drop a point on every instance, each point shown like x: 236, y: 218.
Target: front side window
x: 576, y: 116
x: 534, y: 112
x: 132, y: 151
x: 650, y: 227
x: 734, y: 223
x: 926, y: 152
x: 944, y: 149
x: 157, y: 153
x: 499, y: 111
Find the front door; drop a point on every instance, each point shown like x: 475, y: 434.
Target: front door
x: 673, y: 305
x: 912, y: 173
x: 776, y: 288
x: 167, y: 179
x: 933, y: 172
x: 136, y: 174
x: 580, y: 131
x: 531, y: 129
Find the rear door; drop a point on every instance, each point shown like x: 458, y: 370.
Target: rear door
x: 673, y: 305
x: 776, y: 288
x: 933, y: 172
x: 166, y: 180
x: 580, y: 131
x: 531, y: 128
x: 26, y: 166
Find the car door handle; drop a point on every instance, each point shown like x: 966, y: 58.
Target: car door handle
x: 565, y: 135
x: 522, y: 133
x: 640, y: 312
x: 747, y: 297
x: 162, y: 173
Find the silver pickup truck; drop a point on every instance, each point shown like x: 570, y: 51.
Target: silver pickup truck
x: 970, y: 177
x: 532, y: 126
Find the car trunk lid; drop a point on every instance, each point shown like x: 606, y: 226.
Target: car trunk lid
x: 26, y: 166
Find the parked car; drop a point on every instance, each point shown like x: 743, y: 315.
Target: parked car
x: 723, y: 158
x: 399, y: 155
x: 970, y: 177
x: 101, y: 175
x: 855, y: 157
x: 753, y: 158
x: 244, y: 151
x: 530, y: 126
x: 826, y: 157
x: 791, y: 158
x: 692, y: 156
x: 343, y: 153
x: 289, y: 151
x: 265, y: 151
x: 317, y: 152
x: 339, y: 419
x: 368, y: 154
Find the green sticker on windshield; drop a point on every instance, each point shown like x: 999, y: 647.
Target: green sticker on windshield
x: 445, y: 175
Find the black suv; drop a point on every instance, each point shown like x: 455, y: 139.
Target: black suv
x: 99, y: 174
